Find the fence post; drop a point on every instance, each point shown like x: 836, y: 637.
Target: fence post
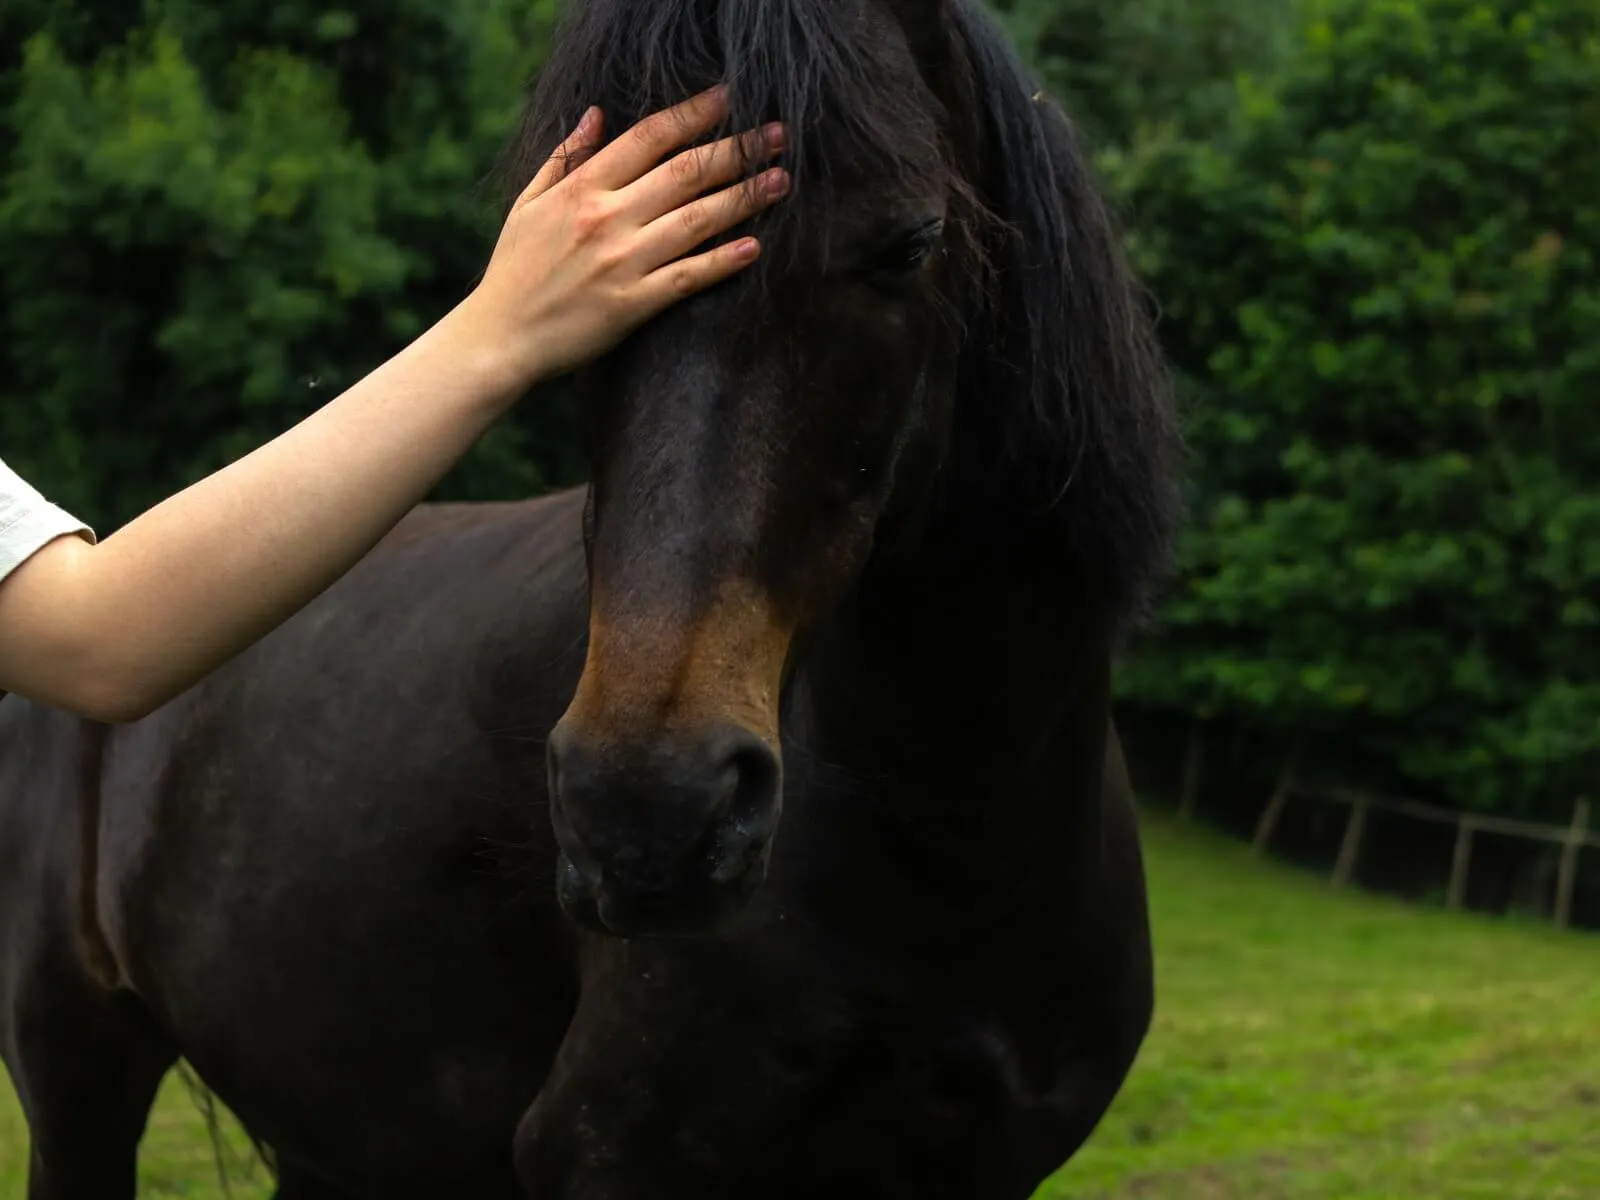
x: 1567, y: 876
x: 1191, y: 771
x: 1460, y: 863
x: 1351, y: 846
x: 1274, y: 809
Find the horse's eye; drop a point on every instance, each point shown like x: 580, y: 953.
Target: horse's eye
x: 908, y: 251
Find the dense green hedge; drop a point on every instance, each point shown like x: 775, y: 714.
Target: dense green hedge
x: 1380, y: 280
x: 1123, y: 69
x: 216, y: 217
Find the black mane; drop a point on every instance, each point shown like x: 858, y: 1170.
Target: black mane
x: 1063, y: 383
x: 1063, y: 346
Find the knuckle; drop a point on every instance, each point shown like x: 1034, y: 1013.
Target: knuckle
x: 615, y: 300
x: 566, y: 162
x: 648, y: 134
x: 748, y: 197
x: 612, y: 259
x: 695, y: 219
x: 686, y: 168
x: 683, y: 279
x: 590, y: 217
x: 740, y: 206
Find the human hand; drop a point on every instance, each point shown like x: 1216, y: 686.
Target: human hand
x: 590, y: 252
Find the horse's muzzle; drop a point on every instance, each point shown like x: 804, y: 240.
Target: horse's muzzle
x: 669, y: 840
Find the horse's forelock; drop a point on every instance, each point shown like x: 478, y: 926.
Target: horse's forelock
x: 808, y: 63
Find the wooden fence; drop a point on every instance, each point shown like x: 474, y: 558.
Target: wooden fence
x: 1572, y: 838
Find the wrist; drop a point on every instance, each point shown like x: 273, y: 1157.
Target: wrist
x: 495, y: 366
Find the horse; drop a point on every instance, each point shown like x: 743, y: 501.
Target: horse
x: 750, y: 820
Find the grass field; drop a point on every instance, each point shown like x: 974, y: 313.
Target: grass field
x: 1309, y: 1045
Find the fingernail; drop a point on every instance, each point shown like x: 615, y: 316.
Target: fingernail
x: 591, y: 116
x: 746, y: 248
x: 775, y: 183
x: 773, y: 136
x: 719, y: 93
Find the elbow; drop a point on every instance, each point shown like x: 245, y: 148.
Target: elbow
x: 110, y: 700
x: 70, y: 653
x: 122, y: 712
x: 111, y: 687
x: 111, y: 706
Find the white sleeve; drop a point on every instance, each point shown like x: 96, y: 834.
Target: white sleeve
x: 28, y: 521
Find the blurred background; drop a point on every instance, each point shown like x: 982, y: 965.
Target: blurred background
x: 1366, y: 719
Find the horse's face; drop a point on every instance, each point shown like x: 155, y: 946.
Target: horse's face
x: 746, y: 450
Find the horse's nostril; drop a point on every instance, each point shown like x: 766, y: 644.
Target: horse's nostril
x: 747, y: 811
x: 750, y: 788
x: 728, y: 789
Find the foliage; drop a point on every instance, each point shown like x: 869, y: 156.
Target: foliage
x: 1381, y: 277
x: 217, y: 216
x: 1123, y: 68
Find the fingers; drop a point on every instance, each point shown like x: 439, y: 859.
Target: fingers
x: 685, y: 277
x: 693, y: 172
x: 678, y: 232
x: 652, y: 139
x: 569, y: 156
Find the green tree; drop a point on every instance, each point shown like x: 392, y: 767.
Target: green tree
x: 1381, y: 277
x: 1123, y: 67
x: 214, y: 216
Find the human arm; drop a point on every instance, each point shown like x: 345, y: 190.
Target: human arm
x: 114, y: 629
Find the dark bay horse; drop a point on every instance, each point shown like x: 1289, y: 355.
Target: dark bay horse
x: 746, y: 823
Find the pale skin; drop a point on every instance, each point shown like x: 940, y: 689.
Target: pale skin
x: 588, y: 253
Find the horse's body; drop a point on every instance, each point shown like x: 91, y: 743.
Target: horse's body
x: 358, y: 955
x: 326, y: 875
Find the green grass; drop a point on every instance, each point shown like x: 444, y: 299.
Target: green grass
x: 1317, y: 1045
x: 175, y: 1160
x: 1309, y: 1045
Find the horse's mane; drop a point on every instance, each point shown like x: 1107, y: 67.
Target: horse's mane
x: 1063, y: 382
x: 1063, y: 344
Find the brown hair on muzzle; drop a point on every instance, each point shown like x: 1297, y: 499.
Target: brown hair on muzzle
x: 665, y: 776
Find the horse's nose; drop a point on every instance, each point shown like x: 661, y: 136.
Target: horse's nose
x: 665, y: 838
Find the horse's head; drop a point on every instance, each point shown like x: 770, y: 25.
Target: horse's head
x: 751, y: 448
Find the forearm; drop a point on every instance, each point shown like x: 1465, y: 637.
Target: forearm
x: 118, y: 628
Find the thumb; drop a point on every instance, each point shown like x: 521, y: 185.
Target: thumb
x: 569, y: 156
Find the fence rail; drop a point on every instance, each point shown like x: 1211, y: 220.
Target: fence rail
x: 1572, y: 837
x: 1534, y: 830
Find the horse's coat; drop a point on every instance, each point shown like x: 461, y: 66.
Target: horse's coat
x: 878, y: 512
